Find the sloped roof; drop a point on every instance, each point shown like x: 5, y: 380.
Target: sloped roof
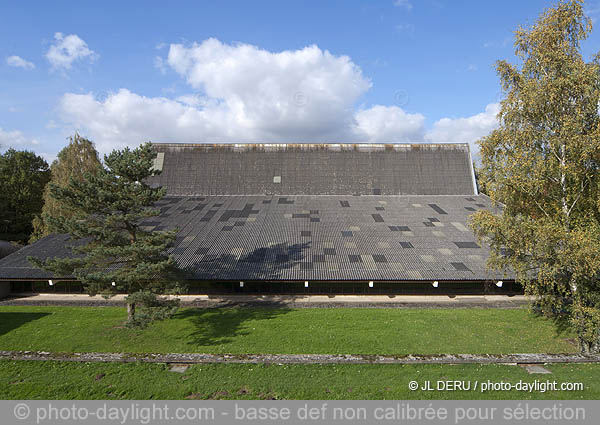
x: 16, y: 266
x: 316, y: 238
x: 315, y: 169
x: 315, y: 212
x: 7, y: 248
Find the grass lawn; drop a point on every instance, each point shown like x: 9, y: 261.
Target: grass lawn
x: 56, y: 380
x: 283, y: 331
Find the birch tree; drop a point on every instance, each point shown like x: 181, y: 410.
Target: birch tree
x: 542, y: 164
x: 76, y: 159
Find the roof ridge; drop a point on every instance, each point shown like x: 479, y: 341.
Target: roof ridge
x: 300, y: 144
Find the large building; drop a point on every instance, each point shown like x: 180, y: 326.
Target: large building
x: 298, y: 218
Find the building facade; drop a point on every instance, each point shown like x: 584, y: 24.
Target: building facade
x: 310, y: 218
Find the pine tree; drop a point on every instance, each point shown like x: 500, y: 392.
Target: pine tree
x: 118, y: 254
x: 76, y: 159
x: 543, y: 164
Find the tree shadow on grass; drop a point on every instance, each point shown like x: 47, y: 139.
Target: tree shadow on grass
x: 562, y: 325
x: 559, y: 316
x: 12, y: 320
x: 216, y: 326
x: 220, y: 325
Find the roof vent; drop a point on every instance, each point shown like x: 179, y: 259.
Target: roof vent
x: 276, y: 179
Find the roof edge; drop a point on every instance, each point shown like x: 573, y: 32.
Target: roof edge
x: 472, y: 169
x: 318, y: 146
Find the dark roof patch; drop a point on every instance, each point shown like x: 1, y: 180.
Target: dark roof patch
x: 270, y: 247
x: 437, y: 209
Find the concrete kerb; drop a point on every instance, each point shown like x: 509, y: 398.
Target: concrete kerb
x: 287, y: 301
x: 200, y: 358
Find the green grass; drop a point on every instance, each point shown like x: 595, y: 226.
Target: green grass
x: 137, y: 381
x: 284, y: 331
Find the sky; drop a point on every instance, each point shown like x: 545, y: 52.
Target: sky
x: 380, y: 71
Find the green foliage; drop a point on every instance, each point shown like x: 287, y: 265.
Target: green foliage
x: 23, y: 176
x: 480, y: 180
x: 108, y: 209
x: 152, y: 308
x: 76, y: 159
x: 542, y: 164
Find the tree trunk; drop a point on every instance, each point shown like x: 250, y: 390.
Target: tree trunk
x: 563, y: 185
x: 590, y: 347
x: 130, y: 311
x: 564, y: 204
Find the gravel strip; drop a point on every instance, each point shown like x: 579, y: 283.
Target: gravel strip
x: 192, y: 358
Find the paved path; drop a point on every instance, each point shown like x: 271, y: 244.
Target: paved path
x: 291, y: 301
x: 192, y: 358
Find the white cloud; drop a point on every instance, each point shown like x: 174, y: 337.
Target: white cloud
x: 389, y: 124
x: 298, y: 93
x: 128, y: 119
x: 503, y: 43
x: 159, y: 64
x: 465, y: 130
x: 67, y: 49
x: 404, y: 3
x: 243, y: 94
x: 410, y: 28
x: 19, y: 62
x: 592, y: 10
x: 246, y: 94
x: 15, y: 139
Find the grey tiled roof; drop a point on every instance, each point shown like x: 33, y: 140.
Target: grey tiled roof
x: 291, y: 213
x: 16, y: 266
x: 315, y: 169
x: 7, y: 248
x: 324, y: 238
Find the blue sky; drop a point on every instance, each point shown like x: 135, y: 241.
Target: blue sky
x: 122, y: 73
